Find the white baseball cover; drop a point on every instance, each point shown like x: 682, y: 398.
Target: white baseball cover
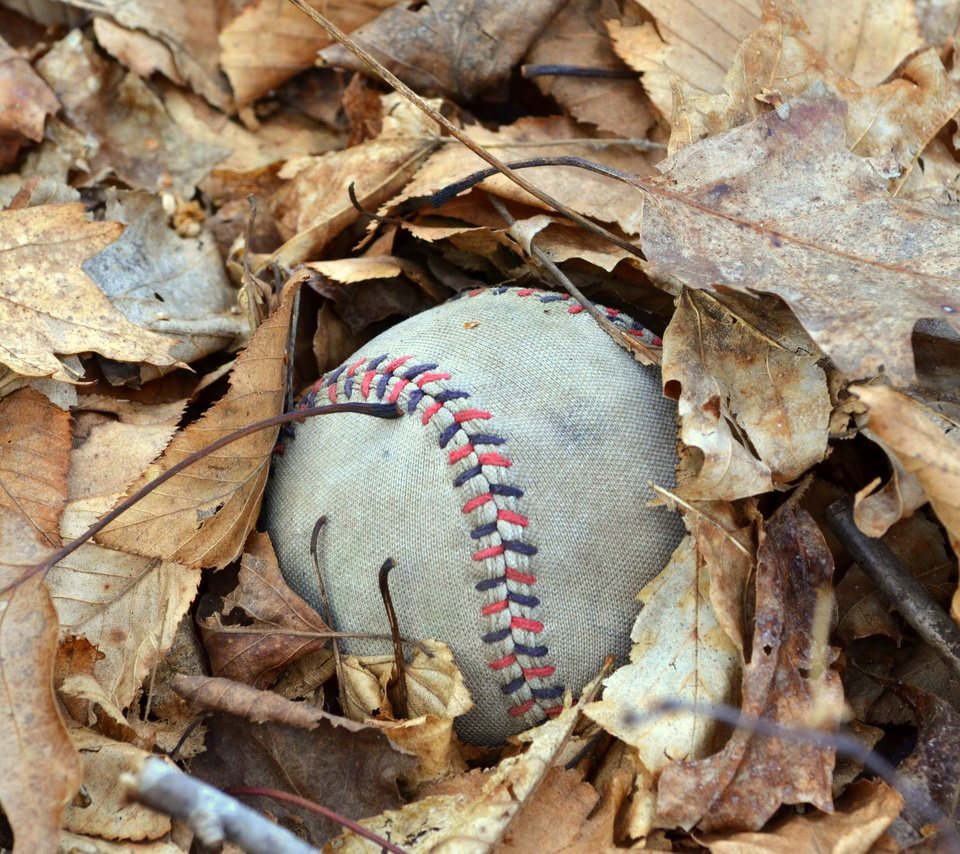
x: 512, y: 494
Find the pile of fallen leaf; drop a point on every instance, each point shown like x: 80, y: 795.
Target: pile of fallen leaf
x: 792, y: 197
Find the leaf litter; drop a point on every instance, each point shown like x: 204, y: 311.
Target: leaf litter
x: 796, y: 251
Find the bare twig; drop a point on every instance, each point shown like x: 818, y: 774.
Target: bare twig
x: 896, y: 585
x: 400, y: 675
x: 392, y: 80
x: 529, y: 71
x: 213, y: 816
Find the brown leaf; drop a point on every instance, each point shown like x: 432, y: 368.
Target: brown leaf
x: 269, y: 42
x: 925, y: 444
x: 137, y: 140
x: 49, y: 306
x: 781, y: 206
x: 757, y: 411
x: 25, y: 101
x: 353, y: 773
x: 35, y: 438
x: 864, y: 812
x: 577, y: 36
x: 274, y: 626
x: 449, y: 47
x: 202, y: 516
x: 41, y: 771
x: 787, y: 682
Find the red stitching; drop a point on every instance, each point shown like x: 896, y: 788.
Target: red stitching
x: 514, y: 518
x: 332, y: 393
x: 353, y: 368
x: 365, y: 385
x: 395, y: 391
x: 492, y: 551
x: 494, y: 608
x: 520, y: 577
x: 526, y: 624
x: 460, y: 453
x: 396, y: 363
x: 479, y: 501
x: 553, y: 711
x: 500, y: 663
x: 431, y: 378
x: 538, y: 672
x: 430, y: 411
x: 471, y: 415
x: 525, y: 292
x: 575, y: 309
x: 492, y: 458
x: 521, y: 710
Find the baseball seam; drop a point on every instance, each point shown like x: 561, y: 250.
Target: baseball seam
x: 518, y: 659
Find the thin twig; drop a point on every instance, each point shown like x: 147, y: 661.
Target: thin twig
x: 376, y: 410
x: 896, y: 585
x: 392, y: 80
x: 325, y: 603
x: 529, y: 71
x: 400, y: 675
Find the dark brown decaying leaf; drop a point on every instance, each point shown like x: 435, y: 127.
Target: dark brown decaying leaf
x: 451, y: 47
x: 353, y: 773
x: 202, y: 516
x: 277, y: 626
x: 788, y: 681
x: 781, y: 206
x: 25, y: 103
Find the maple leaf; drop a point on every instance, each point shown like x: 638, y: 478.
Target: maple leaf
x: 781, y: 206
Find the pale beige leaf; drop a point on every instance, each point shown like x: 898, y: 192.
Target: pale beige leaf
x: 141, y: 53
x: 202, y: 516
x: 687, y: 658
x: 925, y: 444
x: 106, y: 812
x: 780, y: 205
x: 350, y: 270
x: 758, y: 412
x: 271, y: 40
x: 49, y: 306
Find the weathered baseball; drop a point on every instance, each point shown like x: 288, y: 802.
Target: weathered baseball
x: 512, y: 494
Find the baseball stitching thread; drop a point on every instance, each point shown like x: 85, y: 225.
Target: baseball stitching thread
x: 520, y: 660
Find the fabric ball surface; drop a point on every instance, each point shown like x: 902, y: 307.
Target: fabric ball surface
x: 512, y: 494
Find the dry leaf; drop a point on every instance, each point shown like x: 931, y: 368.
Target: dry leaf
x: 262, y: 626
x: 758, y: 412
x: 576, y: 36
x: 25, y: 103
x: 787, y: 682
x: 41, y: 771
x: 202, y: 516
x: 924, y: 444
x: 48, y: 306
x: 781, y: 206
x: 449, y: 47
x: 271, y: 41
x: 135, y: 138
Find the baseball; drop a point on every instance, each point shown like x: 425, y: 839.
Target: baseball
x: 512, y: 494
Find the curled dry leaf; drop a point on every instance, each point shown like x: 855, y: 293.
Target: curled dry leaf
x: 757, y: 412
x: 353, y: 773
x: 688, y: 658
x: 923, y: 444
x: 268, y: 42
x: 577, y: 36
x: 449, y: 47
x: 781, y: 206
x: 25, y: 103
x: 106, y: 812
x: 262, y: 626
x: 41, y: 771
x: 49, y: 306
x: 202, y: 516
x: 313, y: 206
x: 137, y: 140
x: 787, y: 682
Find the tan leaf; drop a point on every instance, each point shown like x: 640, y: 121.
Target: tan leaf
x: 270, y: 41
x: 781, y: 206
x: 136, y: 139
x: 25, y: 100
x: 41, y: 771
x: 688, y: 658
x: 142, y: 54
x: 865, y: 811
x: 787, y: 682
x: 277, y: 626
x: 314, y: 205
x: 35, y: 438
x: 925, y: 444
x: 577, y: 36
x: 447, y: 46
x: 350, y: 270
x: 758, y: 412
x: 202, y: 516
x: 48, y: 306
x: 106, y: 811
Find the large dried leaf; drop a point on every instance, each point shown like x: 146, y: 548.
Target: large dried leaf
x: 687, y: 658
x: 35, y: 438
x: 201, y: 517
x: 758, y: 412
x: 450, y: 47
x: 788, y: 682
x: 781, y: 206
x: 271, y: 40
x: 41, y: 771
x: 262, y: 626
x: 925, y: 444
